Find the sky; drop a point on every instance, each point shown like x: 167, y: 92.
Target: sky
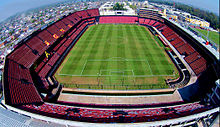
x: 11, y: 7
x: 210, y: 5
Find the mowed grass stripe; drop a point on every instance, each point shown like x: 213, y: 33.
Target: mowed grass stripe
x: 94, y: 52
x: 121, y: 65
x: 76, y: 55
x: 137, y: 66
x: 106, y: 49
x: 145, y: 48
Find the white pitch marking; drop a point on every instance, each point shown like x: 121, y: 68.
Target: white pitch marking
x: 150, y: 68
x: 83, y: 68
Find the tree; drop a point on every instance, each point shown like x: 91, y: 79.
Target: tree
x: 118, y: 6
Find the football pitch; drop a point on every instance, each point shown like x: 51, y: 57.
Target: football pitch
x: 110, y: 56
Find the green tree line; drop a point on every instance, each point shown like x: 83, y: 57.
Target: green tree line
x: 118, y: 6
x: 206, y: 15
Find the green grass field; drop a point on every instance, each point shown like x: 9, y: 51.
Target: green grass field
x: 111, y: 56
x: 214, y: 36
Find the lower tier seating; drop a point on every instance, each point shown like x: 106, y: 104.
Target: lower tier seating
x: 115, y: 116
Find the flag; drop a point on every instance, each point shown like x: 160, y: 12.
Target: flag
x: 62, y: 30
x: 47, y: 54
x: 55, y: 36
x: 47, y: 43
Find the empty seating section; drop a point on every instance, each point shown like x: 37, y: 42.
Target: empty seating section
x: 45, y: 83
x: 22, y: 93
x: 44, y: 71
x: 149, y: 22
x: 53, y: 59
x: 19, y: 86
x: 67, y: 22
x: 157, y: 24
x: 146, y: 21
x: 59, y: 44
x: 46, y: 37
x: 24, y: 56
x: 118, y: 19
x: 74, y: 18
x: 192, y: 57
x: 82, y: 14
x: 18, y: 72
x: 109, y: 116
x: 68, y: 42
x: 173, y: 36
x: 39, y: 67
x: 179, y: 43
x: 151, y: 14
x: 37, y: 44
x: 61, y: 26
x: 199, y: 63
x: 45, y: 66
x: 200, y: 70
x: 93, y: 12
x: 61, y: 50
x: 189, y: 59
x: 54, y: 30
x: 141, y: 20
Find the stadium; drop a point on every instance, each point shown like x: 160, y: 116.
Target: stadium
x: 87, y: 69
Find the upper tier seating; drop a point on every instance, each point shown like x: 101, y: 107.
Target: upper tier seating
x: 55, y: 31
x: 18, y: 72
x: 24, y: 56
x: 46, y: 37
x: 93, y: 12
x: 18, y: 85
x: 74, y: 18
x: 63, y: 27
x: 37, y: 44
x: 82, y: 14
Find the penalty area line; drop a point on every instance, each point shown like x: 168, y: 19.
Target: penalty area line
x: 83, y: 68
x: 149, y: 67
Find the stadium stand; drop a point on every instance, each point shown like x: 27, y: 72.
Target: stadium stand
x: 62, y: 26
x: 118, y: 19
x: 115, y: 116
x: 150, y: 14
x: 93, y: 12
x: 184, y: 48
x: 36, y: 44
x: 46, y: 37
x: 24, y: 56
x: 20, y: 89
x: 54, y: 31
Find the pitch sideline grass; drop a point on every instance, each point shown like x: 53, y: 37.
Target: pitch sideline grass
x: 115, y: 57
